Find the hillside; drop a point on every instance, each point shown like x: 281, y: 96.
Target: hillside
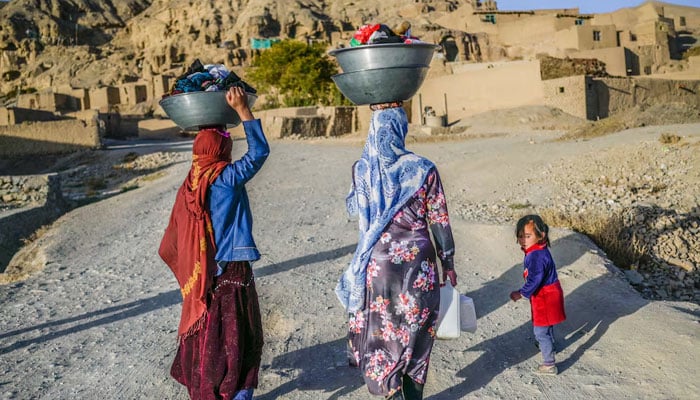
x: 87, y: 43
x: 90, y: 43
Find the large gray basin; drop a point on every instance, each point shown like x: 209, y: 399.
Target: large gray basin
x: 195, y: 109
x: 381, y: 85
x: 384, y: 55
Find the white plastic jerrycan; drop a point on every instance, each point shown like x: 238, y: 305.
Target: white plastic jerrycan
x: 448, y: 326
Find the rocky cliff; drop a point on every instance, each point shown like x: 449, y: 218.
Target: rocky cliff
x: 88, y: 43
x: 92, y: 43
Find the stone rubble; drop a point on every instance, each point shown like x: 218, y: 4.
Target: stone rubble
x: 94, y: 176
x: 113, y: 176
x: 18, y: 191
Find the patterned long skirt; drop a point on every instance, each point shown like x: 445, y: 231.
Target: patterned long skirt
x: 394, y: 334
x: 223, y: 357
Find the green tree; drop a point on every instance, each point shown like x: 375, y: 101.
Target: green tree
x: 300, y: 74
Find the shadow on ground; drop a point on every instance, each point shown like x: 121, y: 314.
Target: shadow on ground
x: 314, y: 361
x: 590, y: 313
x: 88, y: 320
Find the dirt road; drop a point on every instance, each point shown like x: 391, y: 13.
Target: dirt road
x: 100, y: 320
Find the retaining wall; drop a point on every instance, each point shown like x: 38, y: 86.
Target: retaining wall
x: 308, y: 121
x: 52, y: 137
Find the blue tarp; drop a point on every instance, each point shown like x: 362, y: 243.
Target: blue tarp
x: 259, y: 44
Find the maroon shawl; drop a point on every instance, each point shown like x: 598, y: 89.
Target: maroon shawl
x: 188, y: 246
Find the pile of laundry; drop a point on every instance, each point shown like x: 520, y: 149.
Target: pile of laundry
x: 381, y: 33
x: 210, y: 77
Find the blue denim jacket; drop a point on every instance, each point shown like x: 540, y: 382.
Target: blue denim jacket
x: 228, y: 200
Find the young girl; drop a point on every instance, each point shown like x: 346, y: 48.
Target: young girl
x: 541, y: 287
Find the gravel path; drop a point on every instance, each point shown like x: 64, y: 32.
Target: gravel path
x: 100, y: 319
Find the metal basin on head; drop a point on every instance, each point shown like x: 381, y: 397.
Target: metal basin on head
x: 385, y: 55
x: 192, y: 110
x: 381, y: 85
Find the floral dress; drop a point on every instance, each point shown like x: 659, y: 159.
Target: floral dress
x: 393, y: 335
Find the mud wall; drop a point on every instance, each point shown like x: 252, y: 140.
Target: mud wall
x: 51, y: 137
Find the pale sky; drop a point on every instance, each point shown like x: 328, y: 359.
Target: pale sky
x: 585, y: 6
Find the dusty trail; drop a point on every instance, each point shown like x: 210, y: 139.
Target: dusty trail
x: 100, y: 320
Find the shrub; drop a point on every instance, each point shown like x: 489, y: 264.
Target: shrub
x: 299, y: 73
x: 693, y: 51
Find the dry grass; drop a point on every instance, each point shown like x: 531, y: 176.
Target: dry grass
x: 595, y: 129
x: 605, y: 229
x: 129, y: 187
x: 669, y: 138
x: 693, y: 51
x: 519, y: 206
x: 36, y: 235
x: 153, y: 176
x: 29, y: 260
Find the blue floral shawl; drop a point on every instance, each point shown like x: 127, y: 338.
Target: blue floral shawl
x: 384, y: 179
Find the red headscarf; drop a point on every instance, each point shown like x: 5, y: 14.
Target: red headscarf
x: 188, y: 246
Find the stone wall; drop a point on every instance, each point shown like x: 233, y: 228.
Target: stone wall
x: 50, y: 100
x: 309, y: 126
x: 341, y: 120
x: 51, y: 137
x: 133, y: 93
x: 308, y: 121
x: 23, y: 190
x: 104, y: 98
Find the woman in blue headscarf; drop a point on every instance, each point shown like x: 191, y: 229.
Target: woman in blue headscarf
x: 391, y: 289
